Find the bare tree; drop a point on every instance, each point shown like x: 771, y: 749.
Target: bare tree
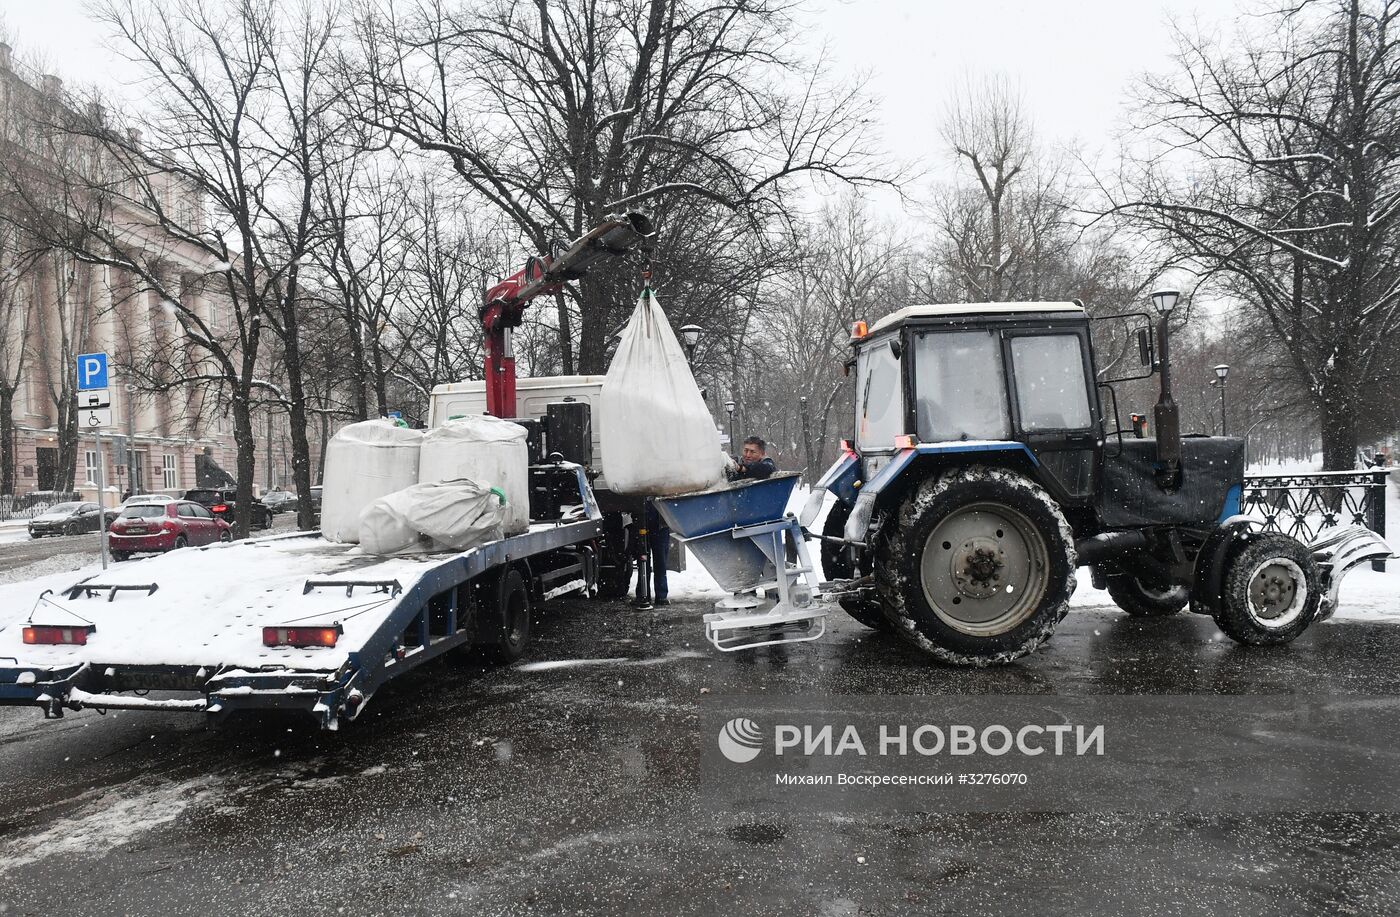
x: 557, y: 113
x: 1283, y: 193
x: 208, y: 211
x: 16, y: 314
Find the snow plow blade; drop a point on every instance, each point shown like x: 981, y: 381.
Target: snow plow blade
x: 1337, y: 553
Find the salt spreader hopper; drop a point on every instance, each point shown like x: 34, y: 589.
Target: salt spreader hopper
x: 742, y: 534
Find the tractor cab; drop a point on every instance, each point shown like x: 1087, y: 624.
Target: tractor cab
x: 1014, y: 378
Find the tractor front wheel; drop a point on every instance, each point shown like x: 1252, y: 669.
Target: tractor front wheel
x: 1272, y: 590
x: 979, y: 567
x: 1140, y: 600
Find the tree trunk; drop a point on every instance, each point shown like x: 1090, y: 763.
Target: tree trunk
x: 67, y: 469
x: 246, y: 461
x: 7, y: 440
x: 1338, y: 421
x: 566, y: 335
x: 594, y: 326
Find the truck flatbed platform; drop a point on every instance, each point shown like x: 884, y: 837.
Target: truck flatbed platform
x: 192, y: 621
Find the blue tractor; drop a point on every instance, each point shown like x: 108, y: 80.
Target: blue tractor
x: 984, y: 470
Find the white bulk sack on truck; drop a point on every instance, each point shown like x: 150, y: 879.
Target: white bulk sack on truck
x: 364, y: 461
x: 487, y: 450
x: 656, y: 433
x: 442, y: 516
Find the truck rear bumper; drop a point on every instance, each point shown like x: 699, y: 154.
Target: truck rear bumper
x: 180, y: 688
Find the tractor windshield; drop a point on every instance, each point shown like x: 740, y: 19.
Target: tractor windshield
x: 960, y: 386
x: 879, y: 396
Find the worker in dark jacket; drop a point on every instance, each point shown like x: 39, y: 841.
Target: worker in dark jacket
x: 753, y: 464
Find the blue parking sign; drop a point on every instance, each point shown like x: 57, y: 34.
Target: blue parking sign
x: 92, y: 371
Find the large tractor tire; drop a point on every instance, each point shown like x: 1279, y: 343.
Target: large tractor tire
x: 1271, y: 591
x: 979, y: 569
x: 837, y: 565
x: 1140, y: 600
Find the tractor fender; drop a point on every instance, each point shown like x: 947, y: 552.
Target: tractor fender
x: 992, y: 452
x: 1209, y: 578
x: 841, y: 479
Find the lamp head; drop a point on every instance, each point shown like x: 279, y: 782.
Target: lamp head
x: 690, y: 334
x: 1222, y: 371
x: 1164, y: 301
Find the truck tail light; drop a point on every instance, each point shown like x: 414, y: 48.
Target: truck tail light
x: 301, y: 636
x: 219, y: 508
x: 44, y: 634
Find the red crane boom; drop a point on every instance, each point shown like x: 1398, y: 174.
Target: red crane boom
x: 542, y: 276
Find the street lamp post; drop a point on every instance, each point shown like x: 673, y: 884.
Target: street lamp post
x: 729, y: 407
x: 1221, y: 372
x: 690, y: 336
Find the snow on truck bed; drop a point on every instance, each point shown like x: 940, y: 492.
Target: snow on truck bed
x: 211, y: 605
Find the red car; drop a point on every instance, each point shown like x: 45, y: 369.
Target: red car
x: 156, y: 527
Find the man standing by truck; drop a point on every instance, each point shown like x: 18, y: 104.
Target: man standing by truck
x: 753, y: 464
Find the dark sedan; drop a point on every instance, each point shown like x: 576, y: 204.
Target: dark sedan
x: 69, y: 519
x: 221, y: 504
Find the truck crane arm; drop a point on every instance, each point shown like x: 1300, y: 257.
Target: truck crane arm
x: 505, y: 304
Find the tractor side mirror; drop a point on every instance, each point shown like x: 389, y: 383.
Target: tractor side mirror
x: 897, y: 348
x: 1144, y: 342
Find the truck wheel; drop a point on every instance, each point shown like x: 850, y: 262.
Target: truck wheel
x: 836, y: 566
x: 506, y: 627
x: 1142, y: 601
x: 1271, y: 593
x: 979, y: 569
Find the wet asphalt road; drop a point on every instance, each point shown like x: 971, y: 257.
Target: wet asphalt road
x: 574, y: 790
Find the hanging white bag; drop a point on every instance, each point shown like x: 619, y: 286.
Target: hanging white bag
x: 656, y: 433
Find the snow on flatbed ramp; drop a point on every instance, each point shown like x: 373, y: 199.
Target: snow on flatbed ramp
x: 211, y: 605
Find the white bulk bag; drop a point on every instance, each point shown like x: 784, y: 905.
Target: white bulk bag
x: 364, y: 462
x: 656, y: 433
x: 451, y: 515
x: 485, y: 449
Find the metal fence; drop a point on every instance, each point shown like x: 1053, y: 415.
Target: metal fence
x: 1302, y: 505
x: 34, y: 503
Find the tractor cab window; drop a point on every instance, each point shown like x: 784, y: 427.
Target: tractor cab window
x: 879, y: 396
x: 960, y: 386
x: 1051, y: 391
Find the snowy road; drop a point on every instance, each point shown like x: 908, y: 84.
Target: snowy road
x: 571, y: 787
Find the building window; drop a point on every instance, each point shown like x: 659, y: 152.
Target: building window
x: 168, y: 475
x: 91, y: 467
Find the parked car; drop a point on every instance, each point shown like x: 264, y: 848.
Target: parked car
x: 158, y: 527
x: 316, y: 503
x: 281, y: 501
x: 69, y: 519
x: 222, y: 502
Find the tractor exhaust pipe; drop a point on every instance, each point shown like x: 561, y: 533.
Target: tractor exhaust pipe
x: 1165, y: 413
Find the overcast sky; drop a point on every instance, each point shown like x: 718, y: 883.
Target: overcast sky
x: 1072, y: 58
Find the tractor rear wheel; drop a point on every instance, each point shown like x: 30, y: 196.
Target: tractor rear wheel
x: 1140, y: 600
x: 837, y: 565
x: 1272, y: 591
x: 979, y: 568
